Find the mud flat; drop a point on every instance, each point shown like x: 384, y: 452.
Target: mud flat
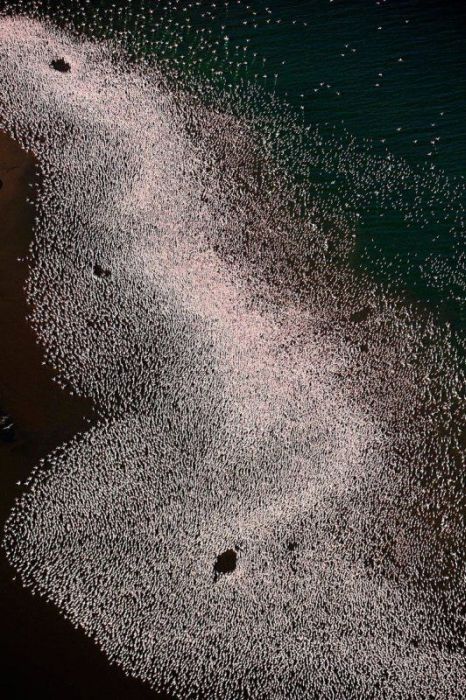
x: 43, y: 655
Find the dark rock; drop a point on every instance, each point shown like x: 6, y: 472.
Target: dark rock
x: 226, y: 563
x: 291, y: 546
x: 101, y: 272
x: 61, y: 65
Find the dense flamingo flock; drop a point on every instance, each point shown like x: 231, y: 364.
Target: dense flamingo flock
x: 270, y: 503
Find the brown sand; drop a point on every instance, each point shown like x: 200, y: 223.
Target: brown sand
x: 43, y: 655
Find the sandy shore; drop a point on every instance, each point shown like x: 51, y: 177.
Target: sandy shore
x: 44, y: 656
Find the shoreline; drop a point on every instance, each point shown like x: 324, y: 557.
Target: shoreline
x: 44, y: 655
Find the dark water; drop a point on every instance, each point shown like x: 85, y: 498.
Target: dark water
x: 327, y: 57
